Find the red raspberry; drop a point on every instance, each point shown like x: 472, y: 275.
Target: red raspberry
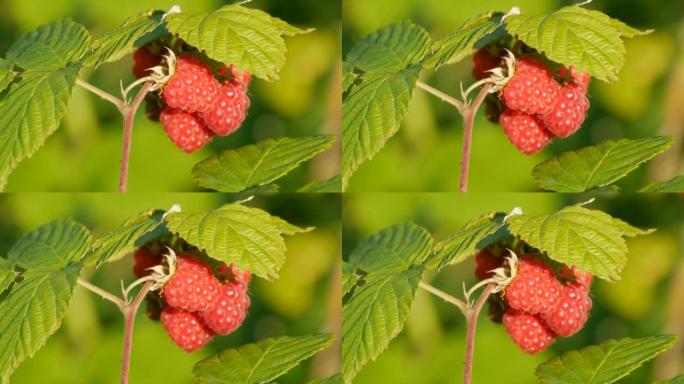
x: 229, y: 310
x: 571, y: 312
x: 143, y: 59
x: 244, y: 77
x: 580, y: 78
x: 192, y: 287
x: 483, y: 61
x: 192, y: 88
x: 568, y: 112
x: 532, y: 89
x: 231, y: 272
x: 484, y: 263
x: 528, y: 331
x: 186, y: 130
x: 525, y: 131
x: 186, y: 329
x: 573, y: 274
x: 145, y: 259
x: 229, y: 110
x: 534, y: 289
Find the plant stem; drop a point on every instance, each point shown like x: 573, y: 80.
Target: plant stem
x: 102, y: 293
x: 444, y: 296
x: 442, y: 96
x: 120, y: 104
x: 129, y: 312
x: 468, y: 121
x: 128, y: 112
x: 471, y: 314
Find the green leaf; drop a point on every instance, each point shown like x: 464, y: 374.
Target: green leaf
x: 627, y: 31
x: 249, y: 237
x: 374, y: 314
x: 259, y: 362
x: 464, y: 243
x: 605, y: 363
x: 675, y: 185
x: 629, y: 230
x: 235, y: 170
x: 371, y: 115
x: 337, y: 379
x: 124, y: 239
x: 591, y: 240
x: 597, y: 166
x: 349, y: 277
x: 331, y: 185
x: 348, y: 76
x: 7, y: 274
x: 675, y: 380
x: 30, y: 112
x: 460, y: 43
x: 393, y: 249
x: 121, y: 41
x: 589, y: 40
x: 249, y: 38
x: 6, y: 74
x: 52, y: 46
x: 390, y: 49
x: 33, y: 308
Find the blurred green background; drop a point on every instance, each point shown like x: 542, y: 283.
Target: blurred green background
x: 84, y: 154
x: 648, y: 300
x: 87, y: 348
x: 425, y: 154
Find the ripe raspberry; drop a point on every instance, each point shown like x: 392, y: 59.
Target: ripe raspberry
x: 483, y: 61
x: 231, y: 272
x: 192, y: 88
x: 185, y: 129
x: 571, y: 312
x: 484, y: 263
x: 528, y: 331
x: 534, y: 289
x: 573, y: 274
x: 192, y: 287
x: 144, y: 258
x: 186, y: 329
x: 143, y: 59
x: 229, y: 310
x: 580, y: 78
x: 229, y: 110
x: 568, y: 112
x: 525, y: 131
x: 532, y: 89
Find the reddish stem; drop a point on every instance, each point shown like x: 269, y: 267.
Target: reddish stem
x: 129, y: 312
x: 129, y: 117
x: 472, y: 314
x: 468, y: 121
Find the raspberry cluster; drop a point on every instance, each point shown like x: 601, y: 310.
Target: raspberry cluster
x: 196, y: 99
x: 194, y: 302
x: 537, y: 305
x: 535, y: 105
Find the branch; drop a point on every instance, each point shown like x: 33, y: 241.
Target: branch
x: 468, y: 121
x: 128, y: 112
x: 472, y: 313
x: 443, y: 96
x: 120, y: 105
x: 444, y: 296
x: 102, y: 293
x: 129, y: 312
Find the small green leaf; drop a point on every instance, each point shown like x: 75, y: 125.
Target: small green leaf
x: 627, y: 31
x: 7, y: 274
x: 121, y: 41
x: 249, y: 237
x: 349, y: 277
x: 331, y: 185
x: 337, y: 379
x: 371, y: 115
x: 460, y: 43
x: 675, y: 185
x: 125, y: 239
x: 597, y: 166
x: 289, y: 30
x: 235, y: 170
x: 6, y: 74
x: 249, y: 38
x: 51, y: 246
x: 589, y: 40
x: 374, y: 314
x: 390, y: 49
x: 259, y: 362
x: 675, y: 380
x: 393, y: 249
x: 605, y: 363
x: 464, y: 243
x: 629, y: 230
x: 591, y: 240
x: 52, y: 46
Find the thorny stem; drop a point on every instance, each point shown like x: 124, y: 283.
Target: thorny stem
x: 444, y: 296
x: 468, y: 121
x: 120, y: 104
x: 442, y: 96
x: 128, y: 112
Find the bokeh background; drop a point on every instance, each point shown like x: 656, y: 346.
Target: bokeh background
x: 87, y: 348
x: 425, y: 154
x: 84, y: 154
x: 648, y: 300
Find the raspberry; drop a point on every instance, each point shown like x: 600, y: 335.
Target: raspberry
x: 568, y: 112
x: 143, y: 59
x: 525, y: 131
x: 532, y: 89
x: 571, y: 312
x: 580, y: 78
x: 573, y: 274
x: 229, y: 310
x: 144, y: 259
x: 231, y: 272
x: 483, y: 61
x: 229, y: 110
x: 185, y: 129
x: 192, y: 88
x: 484, y: 263
x: 192, y: 287
x: 186, y: 329
x: 534, y: 289
x: 528, y: 331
